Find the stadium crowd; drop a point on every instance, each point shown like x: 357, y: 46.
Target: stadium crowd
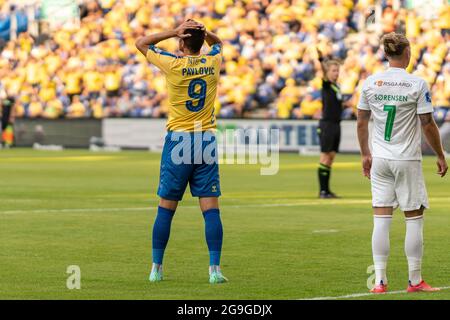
x: 270, y: 67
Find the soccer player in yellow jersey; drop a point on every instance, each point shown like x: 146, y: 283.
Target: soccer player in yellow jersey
x: 192, y: 80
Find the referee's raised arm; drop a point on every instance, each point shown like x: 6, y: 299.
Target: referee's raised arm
x: 321, y: 60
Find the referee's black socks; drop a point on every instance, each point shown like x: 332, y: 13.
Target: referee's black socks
x: 324, y: 173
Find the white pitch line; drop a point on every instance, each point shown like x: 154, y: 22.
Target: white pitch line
x: 150, y: 208
x: 254, y: 205
x: 74, y: 210
x: 325, y: 231
x: 358, y: 295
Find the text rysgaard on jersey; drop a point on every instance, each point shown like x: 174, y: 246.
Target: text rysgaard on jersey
x: 198, y: 71
x: 393, y: 83
x: 390, y: 97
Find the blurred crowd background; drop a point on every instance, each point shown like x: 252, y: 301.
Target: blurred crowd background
x: 75, y: 59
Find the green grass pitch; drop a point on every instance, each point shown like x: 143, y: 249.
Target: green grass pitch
x: 96, y: 210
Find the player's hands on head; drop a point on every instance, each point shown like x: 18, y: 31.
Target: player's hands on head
x: 367, y: 165
x: 442, y: 166
x: 188, y: 24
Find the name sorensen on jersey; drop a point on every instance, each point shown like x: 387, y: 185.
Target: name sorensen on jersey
x: 390, y: 97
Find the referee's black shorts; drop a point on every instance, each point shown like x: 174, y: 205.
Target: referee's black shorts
x: 6, y: 112
x: 329, y: 135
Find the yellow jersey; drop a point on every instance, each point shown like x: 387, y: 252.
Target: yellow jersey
x: 192, y: 87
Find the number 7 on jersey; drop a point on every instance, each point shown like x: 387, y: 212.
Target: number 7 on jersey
x: 391, y: 109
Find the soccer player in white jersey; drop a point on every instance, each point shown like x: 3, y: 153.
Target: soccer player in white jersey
x: 400, y: 105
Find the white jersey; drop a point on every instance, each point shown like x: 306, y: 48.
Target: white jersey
x: 396, y: 98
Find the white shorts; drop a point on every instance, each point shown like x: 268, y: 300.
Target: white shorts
x: 398, y: 183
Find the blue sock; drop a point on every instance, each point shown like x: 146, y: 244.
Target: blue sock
x: 161, y: 232
x: 214, y: 235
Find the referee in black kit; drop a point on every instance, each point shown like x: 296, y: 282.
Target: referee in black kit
x: 329, y: 126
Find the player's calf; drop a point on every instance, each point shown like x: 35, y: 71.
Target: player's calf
x: 214, y: 238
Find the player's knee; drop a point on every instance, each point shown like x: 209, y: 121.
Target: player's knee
x: 168, y: 204
x: 208, y: 203
x: 327, y: 159
x: 383, y: 211
x: 414, y: 213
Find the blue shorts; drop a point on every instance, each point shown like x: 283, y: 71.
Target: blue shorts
x: 189, y: 157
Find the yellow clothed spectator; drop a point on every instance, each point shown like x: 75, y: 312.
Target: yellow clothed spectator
x: 107, y: 4
x: 444, y: 17
x: 13, y: 84
x: 309, y: 107
x: 348, y: 81
x: 53, y: 109
x: 133, y: 5
x: 281, y: 41
x: 230, y: 67
x: 112, y: 80
x: 47, y: 92
x: 76, y: 109
x: 33, y: 70
x: 143, y: 15
x: 97, y: 109
x: 80, y: 35
x: 221, y: 6
x: 52, y: 63
x: 62, y: 38
x: 159, y: 83
x: 73, y: 82
x: 447, y: 82
x: 285, y: 69
x: 39, y: 52
x: 217, y: 106
x: 441, y: 97
x: 226, y: 33
x: 290, y: 92
x: 412, y: 25
x: 19, y: 111
x: 93, y: 81
x: 26, y: 93
x: 240, y: 95
x: 316, y: 83
x: 25, y: 42
x: 35, y: 108
x: 284, y: 107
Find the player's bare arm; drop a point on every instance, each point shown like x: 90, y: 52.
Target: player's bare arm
x: 211, y: 39
x: 431, y: 132
x: 363, y: 138
x: 143, y: 43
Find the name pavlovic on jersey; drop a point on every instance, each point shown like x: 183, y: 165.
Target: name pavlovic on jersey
x: 396, y: 98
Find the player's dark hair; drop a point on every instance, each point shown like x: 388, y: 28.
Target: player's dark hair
x: 394, y: 44
x: 195, y: 42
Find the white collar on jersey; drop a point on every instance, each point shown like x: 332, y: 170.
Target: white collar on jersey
x: 396, y: 69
